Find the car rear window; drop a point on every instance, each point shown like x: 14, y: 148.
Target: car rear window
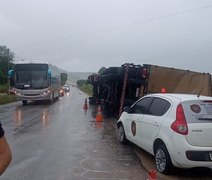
x: 198, y: 111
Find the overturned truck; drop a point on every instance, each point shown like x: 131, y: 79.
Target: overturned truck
x: 116, y: 87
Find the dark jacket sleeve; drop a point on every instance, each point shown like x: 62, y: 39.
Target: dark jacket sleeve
x: 1, y: 131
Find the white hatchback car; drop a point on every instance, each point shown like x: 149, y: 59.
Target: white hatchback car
x: 175, y: 128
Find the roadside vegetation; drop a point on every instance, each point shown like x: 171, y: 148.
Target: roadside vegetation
x: 6, y: 63
x: 3, y: 88
x: 4, y: 96
x: 85, y: 86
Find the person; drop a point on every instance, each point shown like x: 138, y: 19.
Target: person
x: 5, y: 152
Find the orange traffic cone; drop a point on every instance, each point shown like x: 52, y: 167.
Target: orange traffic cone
x: 85, y: 107
x: 98, y: 125
x: 99, y: 114
x: 152, y: 175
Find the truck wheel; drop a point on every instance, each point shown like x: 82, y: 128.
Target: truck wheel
x: 24, y: 102
x: 121, y: 135
x: 163, y: 160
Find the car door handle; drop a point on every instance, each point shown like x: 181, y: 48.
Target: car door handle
x: 156, y: 124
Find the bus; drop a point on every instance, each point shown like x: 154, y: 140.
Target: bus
x: 35, y: 82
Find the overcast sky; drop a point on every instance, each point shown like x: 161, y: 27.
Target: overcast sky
x: 85, y: 35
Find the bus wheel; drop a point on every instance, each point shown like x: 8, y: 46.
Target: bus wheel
x: 24, y: 102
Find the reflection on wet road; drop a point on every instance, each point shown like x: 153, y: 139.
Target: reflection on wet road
x: 61, y: 141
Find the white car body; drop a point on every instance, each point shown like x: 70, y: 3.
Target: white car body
x: 151, y: 131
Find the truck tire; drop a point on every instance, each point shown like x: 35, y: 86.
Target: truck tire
x: 112, y: 70
x: 112, y: 76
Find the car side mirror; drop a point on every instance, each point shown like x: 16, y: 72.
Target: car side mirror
x: 128, y: 109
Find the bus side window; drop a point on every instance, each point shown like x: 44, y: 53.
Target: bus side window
x: 49, y: 81
x: 11, y: 77
x: 49, y: 77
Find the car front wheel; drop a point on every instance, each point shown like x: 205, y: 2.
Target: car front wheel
x: 121, y: 135
x: 163, y: 160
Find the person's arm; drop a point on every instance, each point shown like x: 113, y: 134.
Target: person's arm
x: 5, y: 153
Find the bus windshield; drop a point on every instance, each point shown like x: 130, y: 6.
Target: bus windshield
x: 31, y: 78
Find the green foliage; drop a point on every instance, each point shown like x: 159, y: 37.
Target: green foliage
x: 6, y: 99
x: 64, y: 78
x: 85, y: 86
x: 2, y: 77
x: 87, y: 89
x: 81, y: 82
x: 3, y: 88
x: 6, y: 63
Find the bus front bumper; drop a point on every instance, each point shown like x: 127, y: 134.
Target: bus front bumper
x: 33, y: 97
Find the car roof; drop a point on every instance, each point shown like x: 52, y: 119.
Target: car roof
x: 181, y: 97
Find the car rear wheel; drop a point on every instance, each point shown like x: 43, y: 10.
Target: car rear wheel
x: 121, y: 135
x: 163, y: 160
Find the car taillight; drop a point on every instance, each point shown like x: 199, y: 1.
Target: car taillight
x: 180, y: 124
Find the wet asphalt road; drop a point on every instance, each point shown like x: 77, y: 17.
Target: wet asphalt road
x: 62, y: 142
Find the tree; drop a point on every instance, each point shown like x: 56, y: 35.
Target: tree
x: 6, y: 62
x: 64, y: 77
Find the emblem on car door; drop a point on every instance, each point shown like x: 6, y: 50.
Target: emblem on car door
x: 133, y: 128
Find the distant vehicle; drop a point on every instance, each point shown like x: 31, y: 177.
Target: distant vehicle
x: 66, y: 88
x: 175, y: 128
x: 33, y: 82
x: 61, y: 92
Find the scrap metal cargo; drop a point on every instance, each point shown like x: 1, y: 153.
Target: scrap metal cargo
x: 116, y: 87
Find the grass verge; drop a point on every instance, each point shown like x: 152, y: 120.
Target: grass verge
x: 6, y: 99
x: 87, y: 88
x: 3, y: 88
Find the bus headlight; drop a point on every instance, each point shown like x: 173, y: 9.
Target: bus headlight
x: 46, y: 92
